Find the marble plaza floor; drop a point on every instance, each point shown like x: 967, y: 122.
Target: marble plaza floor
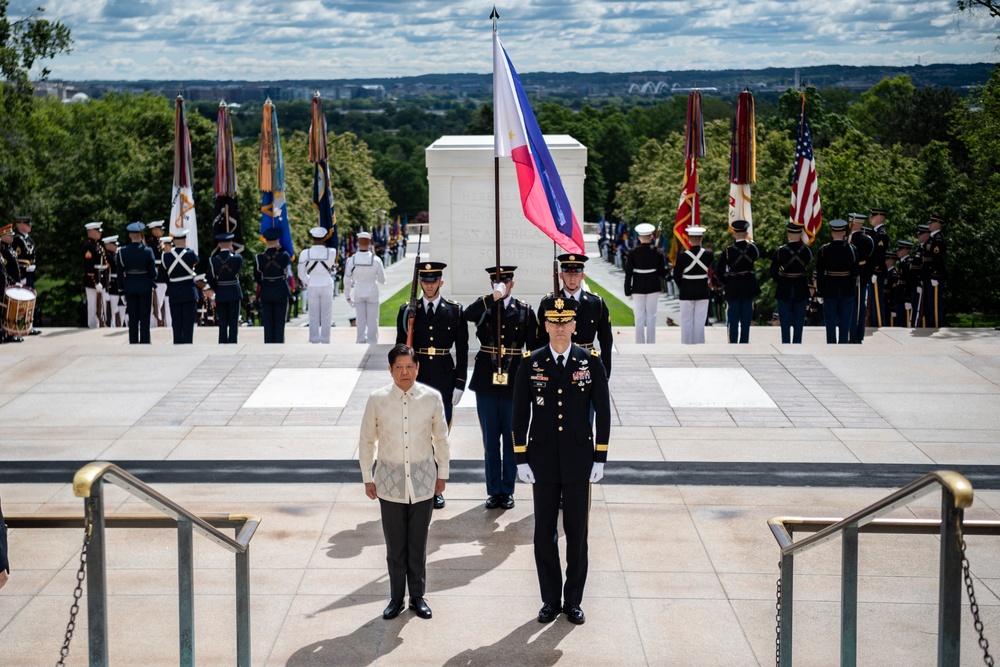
x: 680, y: 573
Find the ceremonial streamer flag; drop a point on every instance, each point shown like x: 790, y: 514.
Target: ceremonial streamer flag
x: 805, y: 208
x: 271, y: 180
x: 742, y: 161
x: 227, y: 215
x: 182, y: 214
x: 322, y: 193
x: 689, y: 208
x: 516, y: 134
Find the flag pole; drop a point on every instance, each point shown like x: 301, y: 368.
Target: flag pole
x: 499, y: 378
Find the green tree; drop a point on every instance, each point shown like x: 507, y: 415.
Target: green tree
x: 26, y: 41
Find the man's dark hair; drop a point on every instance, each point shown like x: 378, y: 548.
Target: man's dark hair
x: 400, y: 350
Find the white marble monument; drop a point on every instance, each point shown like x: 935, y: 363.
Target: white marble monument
x: 462, y: 215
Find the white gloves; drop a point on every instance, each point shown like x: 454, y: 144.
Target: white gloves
x: 908, y: 306
x: 934, y: 283
x: 524, y: 473
x: 596, y: 473
x: 874, y: 279
x: 819, y: 299
x: 457, y: 396
x: 31, y: 268
x: 99, y: 287
x: 920, y: 290
x: 501, y: 289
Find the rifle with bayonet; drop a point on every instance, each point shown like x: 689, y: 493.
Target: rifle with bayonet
x: 411, y: 310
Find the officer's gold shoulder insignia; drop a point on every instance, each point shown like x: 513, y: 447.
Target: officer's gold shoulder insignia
x: 937, y: 248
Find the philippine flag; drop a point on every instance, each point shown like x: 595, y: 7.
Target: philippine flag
x: 516, y: 134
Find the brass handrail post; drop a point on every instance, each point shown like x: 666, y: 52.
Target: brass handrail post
x: 787, y: 572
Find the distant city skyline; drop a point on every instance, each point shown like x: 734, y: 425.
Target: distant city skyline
x: 355, y: 39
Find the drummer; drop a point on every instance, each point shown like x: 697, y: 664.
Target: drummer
x: 11, y: 271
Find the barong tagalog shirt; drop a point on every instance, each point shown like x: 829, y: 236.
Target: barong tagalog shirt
x: 409, y: 433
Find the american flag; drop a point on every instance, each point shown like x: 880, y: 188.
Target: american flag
x: 805, y: 207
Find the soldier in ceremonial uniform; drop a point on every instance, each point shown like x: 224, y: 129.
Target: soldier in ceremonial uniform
x: 10, y: 272
x: 836, y: 282
x: 161, y: 311
x: 181, y: 264
x: 891, y: 287
x: 316, y: 267
x: 494, y: 386
x: 917, y: 271
x: 224, y: 279
x: 691, y: 273
x: 880, y: 312
x: 593, y: 320
x: 24, y: 249
x: 363, y: 273
x: 863, y: 248
x: 114, y: 307
x: 934, y: 273
x: 736, y: 271
x: 790, y: 271
x: 557, y: 453
x: 904, y: 295
x: 645, y: 268
x: 95, y: 267
x: 271, y: 270
x: 136, y: 280
x: 438, y: 326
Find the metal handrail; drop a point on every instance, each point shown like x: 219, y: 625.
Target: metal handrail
x: 51, y: 521
x: 87, y: 476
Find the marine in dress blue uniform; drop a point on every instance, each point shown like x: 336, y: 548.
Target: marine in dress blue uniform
x: 494, y: 385
x: 790, y: 272
x: 864, y: 247
x: 271, y: 270
x: 136, y: 278
x: 836, y: 282
x: 180, y: 265
x: 224, y: 279
x: 557, y: 453
x: 736, y: 271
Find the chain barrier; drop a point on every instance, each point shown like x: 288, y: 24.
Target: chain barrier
x: 81, y: 574
x: 777, y: 622
x: 977, y: 623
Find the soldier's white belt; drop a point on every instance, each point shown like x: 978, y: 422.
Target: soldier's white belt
x: 643, y: 270
x: 698, y: 277
x: 182, y: 279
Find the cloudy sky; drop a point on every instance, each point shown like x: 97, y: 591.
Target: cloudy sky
x: 347, y: 39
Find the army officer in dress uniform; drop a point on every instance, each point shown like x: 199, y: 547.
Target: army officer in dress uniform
x: 593, y: 320
x: 224, y: 279
x: 837, y: 281
x: 180, y: 263
x: 438, y: 326
x: 136, y: 278
x: 271, y: 270
x: 557, y: 453
x: 736, y: 270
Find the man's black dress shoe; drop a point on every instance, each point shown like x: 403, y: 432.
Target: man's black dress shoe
x: 507, y: 502
x: 393, y: 610
x: 34, y: 332
x: 419, y: 605
x: 574, y: 614
x: 548, y: 613
x: 438, y: 501
x: 494, y: 501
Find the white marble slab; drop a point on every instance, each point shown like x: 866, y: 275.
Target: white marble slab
x: 305, y: 388
x: 711, y: 388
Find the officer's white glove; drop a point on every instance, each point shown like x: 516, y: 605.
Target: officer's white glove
x: 457, y: 396
x: 920, y: 290
x: 499, y: 291
x: 524, y: 473
x: 934, y: 283
x: 874, y: 280
x: 597, y: 472
x: 908, y: 306
x: 819, y: 299
x: 31, y: 268
x: 99, y: 287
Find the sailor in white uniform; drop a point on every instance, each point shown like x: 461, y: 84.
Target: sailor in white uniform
x: 316, y: 267
x: 361, y: 273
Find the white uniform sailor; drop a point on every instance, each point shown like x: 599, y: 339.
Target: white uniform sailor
x: 317, y: 265
x: 362, y: 271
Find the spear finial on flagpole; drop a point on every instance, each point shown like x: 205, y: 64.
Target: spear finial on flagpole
x: 494, y: 16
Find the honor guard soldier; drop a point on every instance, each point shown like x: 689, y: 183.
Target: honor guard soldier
x: 161, y: 311
x: 863, y: 249
x: 136, y: 280
x: 593, y: 320
x: 877, y: 288
x: 645, y: 269
x: 114, y: 309
x: 736, y: 271
x: 917, y: 268
x: 182, y: 293
x: 934, y: 273
x: 317, y: 265
x: 10, y: 272
x: 26, y: 253
x: 790, y: 271
x: 95, y: 266
x: 892, y: 291
x: 836, y: 282
x: 904, y: 296
x: 493, y: 384
x: 363, y: 273
x: 438, y: 326
x: 224, y: 279
x: 558, y: 454
x: 691, y: 273
x: 272, y: 269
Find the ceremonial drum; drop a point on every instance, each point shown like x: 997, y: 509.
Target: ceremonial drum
x: 18, y: 311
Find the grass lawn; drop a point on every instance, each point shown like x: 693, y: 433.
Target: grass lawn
x: 621, y: 312
x: 970, y: 320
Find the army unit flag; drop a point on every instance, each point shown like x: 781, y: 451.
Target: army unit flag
x: 322, y: 192
x: 516, y: 134
x: 227, y: 215
x: 742, y: 161
x: 689, y: 207
x: 182, y: 214
x: 271, y: 180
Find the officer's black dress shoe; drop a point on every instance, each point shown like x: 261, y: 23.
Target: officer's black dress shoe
x: 548, y: 613
x: 419, y: 605
x: 494, y: 501
x: 438, y: 501
x: 34, y: 332
x: 393, y: 610
x: 507, y: 502
x: 574, y: 614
